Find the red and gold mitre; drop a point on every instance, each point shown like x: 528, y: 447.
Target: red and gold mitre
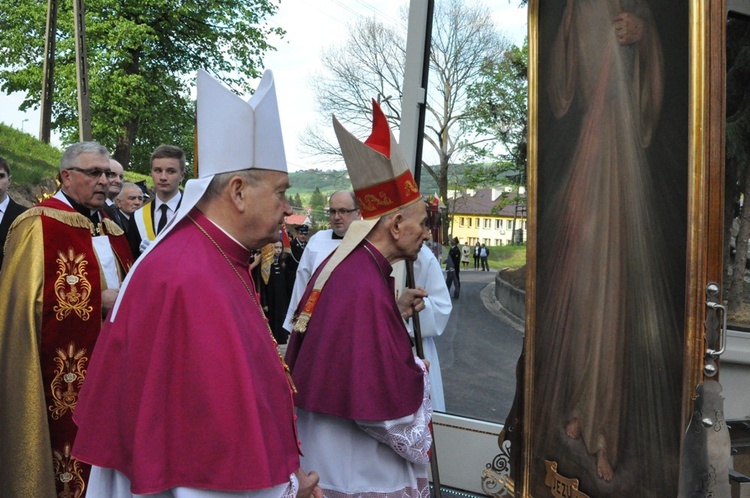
x: 381, y: 178
x: 382, y: 182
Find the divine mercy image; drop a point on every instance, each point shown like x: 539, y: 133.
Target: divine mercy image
x: 608, y: 338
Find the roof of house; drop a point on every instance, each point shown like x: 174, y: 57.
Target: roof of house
x: 482, y: 203
x: 297, y: 219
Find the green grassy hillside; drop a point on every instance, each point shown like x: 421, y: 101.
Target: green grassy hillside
x: 34, y: 165
x: 30, y: 160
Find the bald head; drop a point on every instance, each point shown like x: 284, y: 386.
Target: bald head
x: 400, y: 235
x: 114, y: 185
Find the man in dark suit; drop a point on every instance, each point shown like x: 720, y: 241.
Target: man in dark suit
x: 127, y: 202
x: 9, y: 209
x: 454, y: 254
x: 297, y: 246
x: 114, y: 187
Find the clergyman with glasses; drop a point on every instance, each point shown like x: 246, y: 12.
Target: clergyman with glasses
x: 342, y: 211
x: 63, y: 268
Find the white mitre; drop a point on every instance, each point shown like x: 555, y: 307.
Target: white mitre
x: 232, y: 135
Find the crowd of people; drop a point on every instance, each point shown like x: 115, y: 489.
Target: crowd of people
x: 146, y: 337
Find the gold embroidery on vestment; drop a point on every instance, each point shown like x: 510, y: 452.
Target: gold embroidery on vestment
x: 72, y: 288
x: 68, y: 471
x: 370, y: 201
x: 410, y: 187
x: 69, y: 374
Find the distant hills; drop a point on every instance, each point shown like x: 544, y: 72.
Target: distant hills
x: 329, y: 181
x: 34, y: 164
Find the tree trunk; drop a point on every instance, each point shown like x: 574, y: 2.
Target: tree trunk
x: 443, y: 188
x: 124, y: 144
x: 737, y: 280
x: 127, y: 137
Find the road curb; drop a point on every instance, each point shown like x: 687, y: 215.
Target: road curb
x: 496, y: 308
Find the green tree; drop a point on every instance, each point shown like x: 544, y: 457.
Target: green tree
x: 317, y: 204
x: 498, y: 104
x: 142, y: 57
x: 297, y: 201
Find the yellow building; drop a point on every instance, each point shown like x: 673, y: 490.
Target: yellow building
x: 477, y: 217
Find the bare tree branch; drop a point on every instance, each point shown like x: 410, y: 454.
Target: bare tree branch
x: 370, y: 65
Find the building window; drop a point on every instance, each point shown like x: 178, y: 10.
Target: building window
x: 487, y: 223
x: 461, y: 222
x: 469, y: 222
x: 509, y: 224
x: 498, y: 224
x: 477, y: 222
x: 498, y: 242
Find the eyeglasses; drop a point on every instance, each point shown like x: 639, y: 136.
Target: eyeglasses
x: 340, y: 212
x: 95, y: 173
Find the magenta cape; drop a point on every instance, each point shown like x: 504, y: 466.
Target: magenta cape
x: 355, y: 359
x: 185, y: 387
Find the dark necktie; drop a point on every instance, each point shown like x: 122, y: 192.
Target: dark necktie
x: 94, y: 217
x: 163, y: 219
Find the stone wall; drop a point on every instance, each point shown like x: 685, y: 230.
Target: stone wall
x: 511, y: 298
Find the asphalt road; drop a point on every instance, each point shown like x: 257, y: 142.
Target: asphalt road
x: 478, y: 352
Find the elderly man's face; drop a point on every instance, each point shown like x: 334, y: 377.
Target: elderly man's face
x: 342, y: 212
x: 266, y: 208
x: 115, y: 183
x: 83, y: 184
x: 129, y: 200
x: 414, y: 230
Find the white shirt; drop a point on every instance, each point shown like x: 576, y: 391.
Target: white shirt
x: 141, y: 213
x: 171, y: 207
x: 318, y: 248
x: 4, y: 207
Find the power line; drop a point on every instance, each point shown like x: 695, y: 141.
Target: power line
x: 325, y: 12
x: 379, y: 14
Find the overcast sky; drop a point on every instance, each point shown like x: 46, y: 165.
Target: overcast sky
x: 311, y: 26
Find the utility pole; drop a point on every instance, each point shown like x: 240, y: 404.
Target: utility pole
x: 48, y: 70
x: 82, y: 72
